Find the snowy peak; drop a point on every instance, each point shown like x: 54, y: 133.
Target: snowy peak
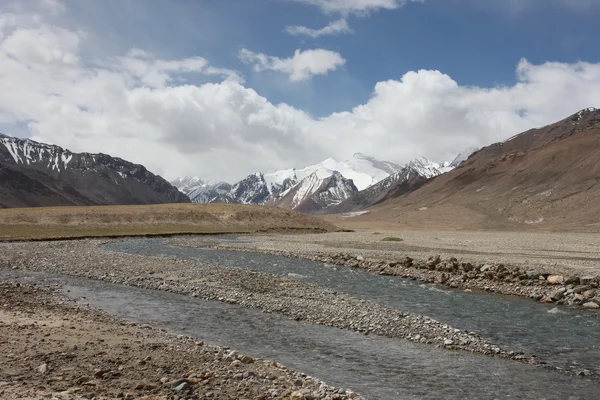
x: 318, y: 191
x: 428, y: 169
x: 85, y: 178
x: 583, y: 113
x: 463, y: 156
x: 211, y: 192
x: 188, y: 184
x: 363, y: 170
x: 251, y: 190
x: 28, y: 152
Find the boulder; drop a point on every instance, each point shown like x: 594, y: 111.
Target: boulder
x: 586, y: 280
x: 557, y: 294
x: 533, y: 274
x: 591, y: 305
x: 555, y: 279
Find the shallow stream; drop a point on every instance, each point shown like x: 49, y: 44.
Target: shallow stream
x: 563, y: 336
x: 378, y: 368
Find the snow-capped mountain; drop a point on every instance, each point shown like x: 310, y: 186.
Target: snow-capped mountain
x: 273, y: 187
x: 62, y: 177
x: 211, y: 192
x: 462, y: 156
x: 188, y: 184
x: 428, y: 169
x: 320, y: 190
x: 363, y: 170
x: 201, y: 191
x: 414, y: 174
x: 319, y: 187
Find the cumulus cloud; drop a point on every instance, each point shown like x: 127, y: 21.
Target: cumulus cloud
x: 338, y: 27
x: 301, y: 66
x: 139, y: 107
x: 359, y: 7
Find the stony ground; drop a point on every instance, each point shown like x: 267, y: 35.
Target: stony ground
x: 561, y: 253
x: 53, y: 349
x: 547, y: 267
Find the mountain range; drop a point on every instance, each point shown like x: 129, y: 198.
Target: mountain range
x: 38, y: 174
x: 542, y: 178
x: 329, y: 186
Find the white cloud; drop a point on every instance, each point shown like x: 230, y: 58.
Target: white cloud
x: 137, y: 107
x: 301, y: 66
x: 359, y: 7
x: 338, y: 27
x: 158, y: 73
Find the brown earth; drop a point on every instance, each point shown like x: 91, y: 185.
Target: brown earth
x: 54, y: 349
x: 68, y: 222
x: 542, y: 180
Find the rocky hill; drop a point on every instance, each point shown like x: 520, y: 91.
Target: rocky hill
x: 38, y: 174
x: 546, y: 178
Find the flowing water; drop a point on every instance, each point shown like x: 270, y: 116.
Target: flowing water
x: 378, y: 368
x: 563, y: 336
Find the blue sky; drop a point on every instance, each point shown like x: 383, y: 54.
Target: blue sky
x: 474, y: 44
x: 222, y: 88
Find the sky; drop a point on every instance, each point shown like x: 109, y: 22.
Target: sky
x: 223, y: 88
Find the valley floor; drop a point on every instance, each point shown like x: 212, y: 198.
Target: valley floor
x: 58, y: 347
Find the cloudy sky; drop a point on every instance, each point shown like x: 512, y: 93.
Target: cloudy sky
x: 222, y: 88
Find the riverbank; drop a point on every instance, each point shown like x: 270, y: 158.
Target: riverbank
x: 560, y: 269
x: 57, y: 349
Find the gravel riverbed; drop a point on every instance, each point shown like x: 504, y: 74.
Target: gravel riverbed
x: 57, y: 349
x: 294, y: 299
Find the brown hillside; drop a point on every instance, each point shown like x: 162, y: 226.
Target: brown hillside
x: 542, y: 179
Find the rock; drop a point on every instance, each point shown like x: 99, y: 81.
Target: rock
x: 586, y: 280
x: 175, y: 383
x: 448, y: 342
x: 557, y: 294
x: 360, y: 258
x: 246, y: 359
x: 555, y: 279
x: 581, y: 289
x: 248, y: 374
x: 533, y: 274
x: 181, y: 387
x: 236, y: 363
x: 485, y: 267
x: 588, y: 294
x: 99, y: 373
x: 572, y: 280
x: 43, y: 369
x: 442, y: 278
x: 296, y: 396
x: 591, y: 305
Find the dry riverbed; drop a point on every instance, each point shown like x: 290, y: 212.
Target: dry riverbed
x: 54, y: 349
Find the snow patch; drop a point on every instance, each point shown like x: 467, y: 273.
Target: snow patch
x: 355, y: 214
x: 535, y: 221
